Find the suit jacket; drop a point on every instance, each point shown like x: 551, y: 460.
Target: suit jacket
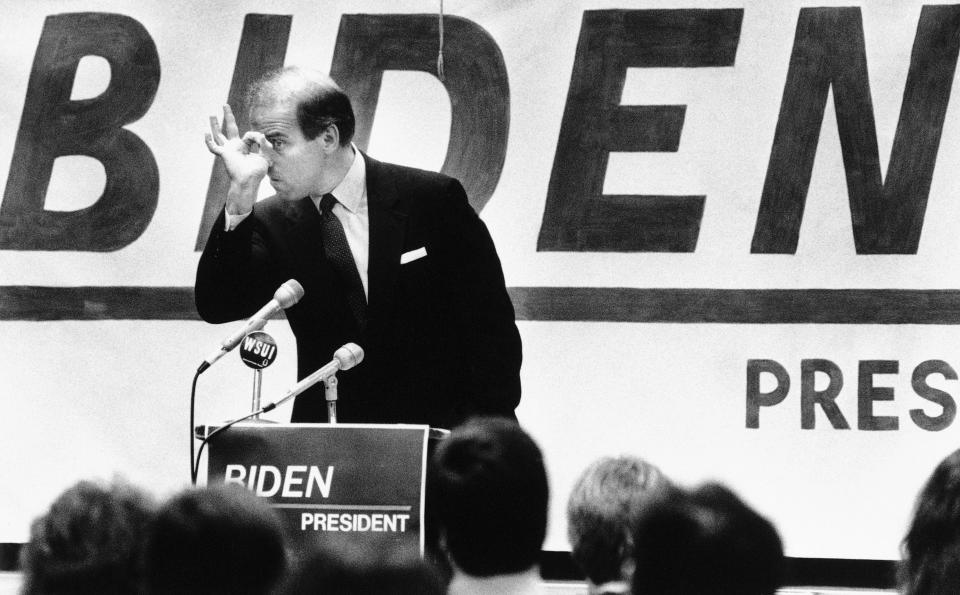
x: 440, y: 342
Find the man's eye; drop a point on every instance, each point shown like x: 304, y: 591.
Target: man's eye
x: 277, y: 143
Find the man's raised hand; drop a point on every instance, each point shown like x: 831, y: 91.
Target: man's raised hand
x: 246, y: 160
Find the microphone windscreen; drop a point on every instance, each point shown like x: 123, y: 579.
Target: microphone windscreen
x: 289, y: 293
x: 349, y: 355
x: 258, y: 350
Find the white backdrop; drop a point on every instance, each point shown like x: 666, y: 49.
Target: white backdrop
x: 97, y: 397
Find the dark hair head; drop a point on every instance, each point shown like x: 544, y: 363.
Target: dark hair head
x: 383, y: 570
x: 705, y: 542
x: 88, y: 542
x: 218, y: 539
x: 931, y: 548
x: 603, y: 506
x: 319, y: 101
x: 488, y: 489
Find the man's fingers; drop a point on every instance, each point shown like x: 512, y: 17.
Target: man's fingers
x: 229, y: 122
x: 212, y: 146
x: 253, y: 140
x: 215, y: 131
x: 257, y: 143
x: 229, y: 127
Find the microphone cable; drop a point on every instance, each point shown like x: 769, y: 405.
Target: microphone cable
x: 195, y: 469
x: 193, y: 400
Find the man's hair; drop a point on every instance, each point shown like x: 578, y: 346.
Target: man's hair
x: 382, y: 569
x: 218, y: 539
x: 89, y: 541
x: 320, y: 102
x: 488, y: 489
x: 705, y: 542
x: 603, y: 506
x: 931, y: 547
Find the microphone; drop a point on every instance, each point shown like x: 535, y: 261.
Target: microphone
x: 258, y: 350
x: 286, y: 295
x: 344, y: 358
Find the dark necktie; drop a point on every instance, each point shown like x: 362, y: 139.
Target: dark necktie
x: 337, y: 251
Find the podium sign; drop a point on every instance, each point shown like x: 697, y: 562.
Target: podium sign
x: 334, y: 485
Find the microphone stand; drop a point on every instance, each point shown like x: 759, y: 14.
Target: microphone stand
x: 255, y: 404
x: 330, y: 392
x: 257, y: 351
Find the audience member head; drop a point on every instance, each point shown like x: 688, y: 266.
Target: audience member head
x: 386, y: 570
x: 931, y: 548
x: 319, y: 101
x: 218, y: 539
x: 602, y: 508
x: 488, y: 490
x: 705, y: 542
x: 88, y: 542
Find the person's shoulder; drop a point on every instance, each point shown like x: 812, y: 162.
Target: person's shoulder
x: 418, y: 192
x: 405, y: 175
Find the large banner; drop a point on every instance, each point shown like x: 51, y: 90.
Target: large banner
x: 729, y: 230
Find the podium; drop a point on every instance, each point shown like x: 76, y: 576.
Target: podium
x: 335, y: 485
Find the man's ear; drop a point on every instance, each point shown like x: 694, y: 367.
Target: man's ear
x: 330, y: 137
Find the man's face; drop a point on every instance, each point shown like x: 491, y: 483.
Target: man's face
x: 297, y: 164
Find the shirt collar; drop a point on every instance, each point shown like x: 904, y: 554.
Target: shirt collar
x: 526, y: 583
x: 610, y: 588
x: 351, y: 192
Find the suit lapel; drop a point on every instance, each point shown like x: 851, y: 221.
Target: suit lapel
x: 387, y: 229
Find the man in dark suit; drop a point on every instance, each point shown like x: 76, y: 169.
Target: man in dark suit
x: 391, y: 258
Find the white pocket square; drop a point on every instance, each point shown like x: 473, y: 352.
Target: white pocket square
x: 413, y: 255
